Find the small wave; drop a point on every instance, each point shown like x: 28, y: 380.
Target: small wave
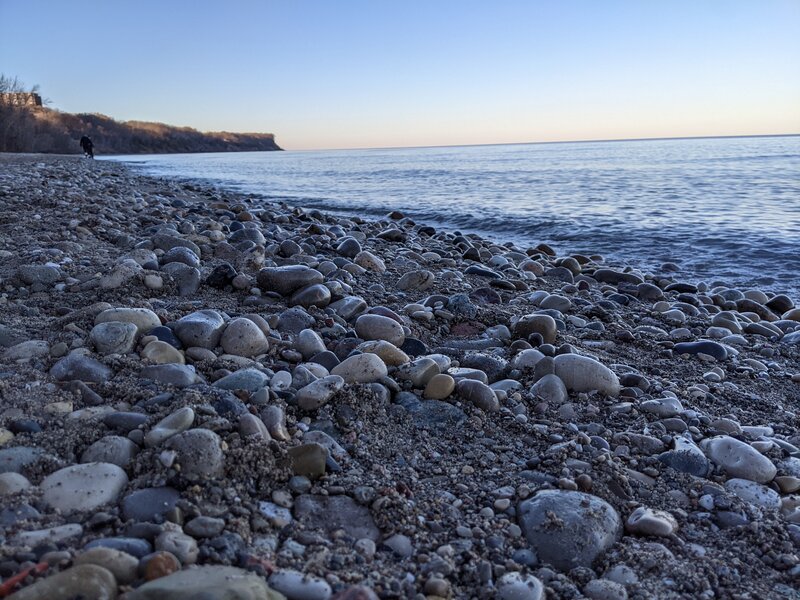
x: 674, y: 200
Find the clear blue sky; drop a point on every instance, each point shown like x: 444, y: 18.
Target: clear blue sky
x: 333, y: 74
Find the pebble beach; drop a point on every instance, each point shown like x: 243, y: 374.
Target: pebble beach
x: 204, y: 394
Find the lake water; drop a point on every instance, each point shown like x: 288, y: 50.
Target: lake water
x: 725, y: 209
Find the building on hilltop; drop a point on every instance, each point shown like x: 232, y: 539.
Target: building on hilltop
x: 20, y: 99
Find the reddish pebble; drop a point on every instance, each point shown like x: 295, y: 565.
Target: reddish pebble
x: 160, y: 564
x: 357, y: 592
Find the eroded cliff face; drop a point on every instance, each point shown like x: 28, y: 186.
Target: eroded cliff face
x: 20, y: 99
x: 38, y: 129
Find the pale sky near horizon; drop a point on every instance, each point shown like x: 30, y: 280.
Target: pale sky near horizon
x: 348, y: 74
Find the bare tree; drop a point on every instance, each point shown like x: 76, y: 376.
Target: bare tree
x: 16, y: 126
x: 13, y: 84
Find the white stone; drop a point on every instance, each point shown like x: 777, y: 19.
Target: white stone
x: 647, y: 521
x: 309, y: 343
x: 242, y: 337
x: 318, y: 392
x: 662, y: 407
x: 369, y: 261
x: 378, y: 327
x: 172, y: 424
x: 52, y: 535
x: 11, y: 483
x: 518, y: 586
x: 299, y: 586
x: 361, y: 368
x: 27, y: 350
x: 526, y: 359
x: 754, y: 493
x: 84, y: 487
x: 584, y: 374
x: 739, y: 459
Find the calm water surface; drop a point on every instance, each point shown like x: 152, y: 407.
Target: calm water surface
x: 722, y: 209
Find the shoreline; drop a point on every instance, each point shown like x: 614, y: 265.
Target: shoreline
x: 732, y: 249
x: 494, y: 384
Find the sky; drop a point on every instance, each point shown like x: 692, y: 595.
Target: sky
x: 374, y: 73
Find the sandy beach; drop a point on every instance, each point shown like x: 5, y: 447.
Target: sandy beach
x: 202, y: 391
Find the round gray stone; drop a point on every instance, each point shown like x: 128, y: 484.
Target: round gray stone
x: 361, y: 368
x: 584, y: 374
x: 569, y: 529
x: 113, y: 449
x: 377, y: 327
x: 113, y: 337
x: 739, y: 459
x: 199, y: 453
x: 202, y: 328
x: 317, y: 393
x: 243, y: 337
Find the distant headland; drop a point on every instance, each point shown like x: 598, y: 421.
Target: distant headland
x: 28, y: 126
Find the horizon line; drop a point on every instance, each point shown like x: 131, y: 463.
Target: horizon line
x: 584, y: 141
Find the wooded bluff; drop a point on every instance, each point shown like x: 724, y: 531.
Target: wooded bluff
x: 41, y: 129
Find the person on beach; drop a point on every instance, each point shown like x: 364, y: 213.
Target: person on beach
x: 88, y: 147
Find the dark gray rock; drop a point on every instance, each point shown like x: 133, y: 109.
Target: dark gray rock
x: 199, y: 453
x: 330, y: 513
x: 124, y: 421
x: 9, y: 337
x: 186, y: 278
x: 149, y: 504
x: 14, y: 460
x: 686, y: 457
x: 616, y: 277
x: 12, y: 515
x: 251, y: 380
x: 462, y: 306
x: 311, y: 295
x: 287, y: 279
x: 294, y: 320
x: 133, y: 546
x: 204, y: 527
x: 82, y: 368
x: 432, y: 414
x: 181, y: 254
x: 349, y: 307
x: 481, y: 272
x: 45, y: 275
x: 569, y: 529
x: 221, y: 276
x: 202, y: 328
x: 708, y: 347
x: 247, y: 234
x: 479, y: 394
x: 348, y: 247
x: 494, y: 367
x: 113, y: 449
x: 166, y: 241
x: 176, y: 375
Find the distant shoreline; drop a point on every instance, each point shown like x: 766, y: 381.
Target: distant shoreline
x: 653, y: 139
